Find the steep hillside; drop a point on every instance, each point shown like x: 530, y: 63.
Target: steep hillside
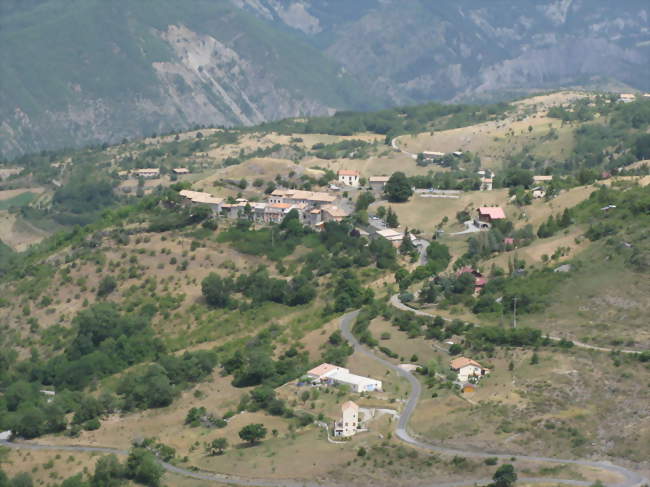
x: 415, y: 50
x: 89, y: 71
x: 78, y: 72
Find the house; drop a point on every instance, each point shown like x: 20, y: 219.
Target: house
x: 147, y: 173
x: 485, y: 215
x: 332, y: 213
x: 275, y: 212
x: 542, y: 179
x: 486, y: 184
x: 393, y: 236
x: 201, y: 198
x: 538, y: 192
x: 179, y: 171
x: 627, y: 97
x: 349, y: 177
x: 297, y: 196
x: 432, y: 155
x: 479, y: 280
x: 509, y: 242
x: 377, y: 183
x: 333, y: 374
x: 349, y: 422
x: 467, y: 369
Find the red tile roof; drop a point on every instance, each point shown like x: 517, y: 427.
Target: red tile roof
x: 494, y: 212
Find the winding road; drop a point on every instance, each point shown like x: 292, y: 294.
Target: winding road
x: 395, y: 302
x: 631, y: 479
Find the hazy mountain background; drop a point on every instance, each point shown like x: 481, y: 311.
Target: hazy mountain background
x: 84, y: 71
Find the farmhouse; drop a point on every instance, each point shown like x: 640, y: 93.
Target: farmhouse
x: 393, y: 236
x: 333, y: 374
x: 538, y: 192
x: 296, y: 196
x: 349, y: 177
x: 332, y: 213
x: 200, y: 198
x: 627, y: 97
x: 147, y: 173
x: 467, y: 369
x: 432, y: 156
x: 349, y: 422
x: 488, y: 214
x: 180, y: 171
x: 377, y: 183
x: 486, y: 184
x: 542, y: 179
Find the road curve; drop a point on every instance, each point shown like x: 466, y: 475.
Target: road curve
x: 632, y: 479
x: 397, y: 303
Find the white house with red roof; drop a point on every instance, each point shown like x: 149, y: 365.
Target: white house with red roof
x: 334, y: 374
x: 467, y: 369
x: 349, y: 177
x: 486, y: 215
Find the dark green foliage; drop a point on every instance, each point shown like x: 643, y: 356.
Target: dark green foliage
x: 438, y: 257
x: 391, y: 219
x: 364, y: 201
x: 216, y: 290
x: 505, y: 476
x: 142, y: 467
x: 79, y: 201
x: 398, y: 188
x: 106, y: 286
x: 109, y: 472
x: 253, y: 433
x: 486, y: 337
x: 348, y: 292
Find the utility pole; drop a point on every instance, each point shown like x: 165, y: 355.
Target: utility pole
x: 514, y: 322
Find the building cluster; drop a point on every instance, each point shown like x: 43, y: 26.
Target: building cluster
x: 314, y: 208
x: 328, y: 374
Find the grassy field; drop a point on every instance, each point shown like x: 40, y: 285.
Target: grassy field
x: 494, y: 140
x: 425, y: 213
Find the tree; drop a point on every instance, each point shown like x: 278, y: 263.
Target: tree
x: 438, y: 257
x: 407, y: 246
x: 31, y: 423
x: 216, y: 290
x: 364, y: 201
x: 252, y: 433
x: 505, y: 476
x: 106, y: 286
x: 22, y: 480
x: 381, y: 212
x: 391, y: 219
x: 217, y: 446
x: 143, y: 467
x: 109, y: 472
x: 398, y: 189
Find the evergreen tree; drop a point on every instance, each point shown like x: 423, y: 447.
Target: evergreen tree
x: 407, y: 245
x: 398, y: 188
x: 391, y: 219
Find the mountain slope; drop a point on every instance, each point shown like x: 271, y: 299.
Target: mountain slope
x: 415, y: 50
x: 77, y: 71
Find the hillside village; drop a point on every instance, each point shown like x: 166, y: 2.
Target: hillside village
x: 239, y: 303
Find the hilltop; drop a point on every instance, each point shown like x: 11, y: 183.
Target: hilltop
x: 88, y: 72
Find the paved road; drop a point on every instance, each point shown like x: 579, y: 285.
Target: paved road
x: 395, y: 301
x: 632, y: 479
